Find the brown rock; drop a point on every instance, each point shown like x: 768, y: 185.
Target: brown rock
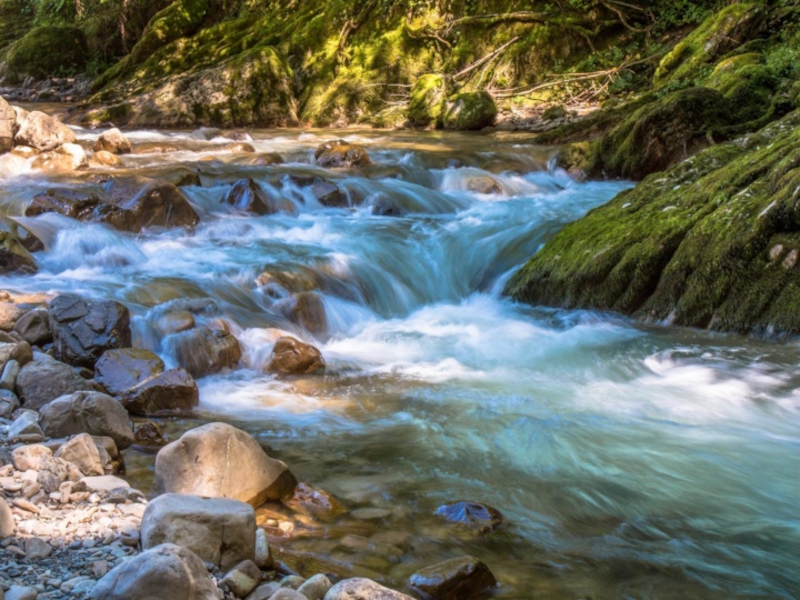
x: 150, y: 434
x: 14, y: 257
x: 82, y: 452
x: 308, y: 311
x: 293, y: 357
x: 76, y: 204
x: 206, y: 351
x: 112, y: 141
x: 341, y: 154
x: 40, y: 382
x: 329, y: 194
x: 243, y: 578
x: 171, y: 390
x: 67, y: 157
x: 90, y: 412
x: 105, y: 159
x: 43, y: 132
x: 461, y: 578
x: 314, y: 502
x: 34, y: 327
x: 137, y: 202
x: 248, y: 196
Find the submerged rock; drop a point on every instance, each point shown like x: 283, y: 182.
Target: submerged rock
x: 317, y: 503
x: 329, y: 194
x: 293, y: 357
x: 472, y: 514
x: 341, y: 154
x: 248, y: 196
x: 206, y: 351
x: 464, y: 578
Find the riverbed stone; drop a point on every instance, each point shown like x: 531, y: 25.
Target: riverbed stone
x: 135, y: 202
x: 21, y: 592
x: 8, y: 378
x: 71, y: 202
x: 309, y: 500
x: 328, y: 194
x: 221, y: 531
x: 316, y: 587
x: 456, y: 579
x: 243, y: 578
x: 474, y: 515
x: 112, y: 141
x: 88, y: 412
x: 307, y: 310
x: 34, y: 327
x: 220, y: 461
x: 359, y: 588
x: 43, y: 132
x: 9, y: 402
x: 205, y: 351
x: 123, y: 368
x: 84, y: 329
x: 263, y: 551
x: 290, y: 356
x: 166, y: 572
x: 42, y: 381
x: 55, y: 471
x: 150, y: 434
x: 82, y: 452
x: 339, y: 153
x: 9, y: 314
x: 173, y: 389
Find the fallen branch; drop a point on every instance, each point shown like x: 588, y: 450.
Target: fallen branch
x: 492, y: 55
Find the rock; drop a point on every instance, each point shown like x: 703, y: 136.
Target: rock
x: 206, y: 351
x: 104, y: 158
x: 427, y: 100
x: 67, y: 157
x: 225, y: 463
x: 166, y: 572
x: 484, y: 185
x: 137, y: 202
x: 293, y: 357
x: 55, y: 471
x: 25, y: 428
x: 316, y: 587
x: 307, y: 310
x: 8, y: 123
x: 341, y: 154
x: 7, y: 524
x: 82, y: 452
x: 34, y: 327
x: 103, y: 483
x: 29, y: 457
x: 84, y: 329
x: 329, y: 194
x: 9, y: 314
x: 174, y: 322
x: 469, y: 111
x: 171, y: 390
x: 37, y: 549
x: 121, y: 369
x: 248, y: 196
x: 73, y: 203
x: 8, y: 379
x: 457, y: 579
x: 18, y: 592
x: 14, y: 257
x: 472, y: 514
x: 263, y: 552
x: 371, y: 514
x: 243, y: 578
x: 43, y: 51
x: 240, y: 147
x: 359, y: 588
x: 8, y: 403
x: 287, y: 594
x: 89, y: 412
x: 17, y: 351
x: 112, y: 141
x: 308, y: 500
x: 265, y: 591
x: 43, y: 132
x: 40, y: 382
x: 221, y: 531
x: 150, y: 434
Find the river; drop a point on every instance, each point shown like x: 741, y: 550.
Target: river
x: 629, y: 461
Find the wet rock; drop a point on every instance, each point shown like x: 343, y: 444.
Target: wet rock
x: 25, y: 428
x: 8, y: 403
x: 243, y: 578
x: 359, y: 588
x: 308, y: 500
x: 43, y: 132
x: 82, y: 452
x: 266, y: 159
x: 287, y: 594
x: 293, y: 357
x: 316, y: 587
x: 90, y: 412
x: 484, y: 185
x: 329, y: 194
x: 112, y: 141
x: 103, y: 158
x: 40, y: 382
x: 457, y: 579
x: 84, y: 329
x: 8, y: 123
x: 221, y: 531
x: 341, y: 154
x: 76, y: 204
x: 220, y: 461
x: 263, y: 552
x: 68, y: 157
x: 174, y: 389
x: 307, y: 310
x: 248, y: 196
x: 155, y: 148
x: 14, y: 257
x: 137, y: 202
x: 384, y: 208
x: 150, y: 434
x: 165, y: 572
x: 121, y: 369
x: 174, y: 322
x: 206, y: 351
x: 34, y: 327
x: 30, y: 457
x: 472, y: 514
x: 7, y: 524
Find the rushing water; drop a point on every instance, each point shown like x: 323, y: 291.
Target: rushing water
x: 629, y: 461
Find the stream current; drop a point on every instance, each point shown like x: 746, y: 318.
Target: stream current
x: 629, y: 461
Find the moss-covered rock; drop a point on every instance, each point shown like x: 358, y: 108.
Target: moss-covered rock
x: 714, y: 242
x: 469, y: 111
x: 45, y: 51
x: 427, y: 100
x: 747, y: 83
x: 14, y: 257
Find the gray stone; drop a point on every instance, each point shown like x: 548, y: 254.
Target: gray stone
x: 264, y: 591
x: 263, y: 552
x: 287, y: 594
x: 19, y: 592
x: 220, y: 461
x: 34, y: 327
x: 359, y: 588
x: 166, y: 572
x: 103, y: 483
x: 88, y: 412
x: 8, y: 380
x: 42, y: 381
x: 219, y: 530
x: 55, y: 471
x: 82, y: 452
x: 173, y: 389
x: 26, y: 428
x: 8, y: 404
x: 243, y: 578
x: 37, y: 549
x: 316, y: 587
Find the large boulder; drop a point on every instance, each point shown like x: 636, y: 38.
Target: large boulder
x: 87, y: 412
x: 220, y: 461
x: 204, y: 351
x: 42, y: 381
x: 463, y: 578
x: 14, y: 257
x: 339, y: 153
x: 123, y: 368
x: 469, y: 111
x: 34, y: 327
x: 166, y: 572
x: 82, y: 452
x: 173, y: 389
x: 67, y: 157
x: 427, y: 100
x: 112, y: 141
x: 248, y: 196
x: 137, y: 202
x: 8, y: 122
x: 43, y: 132
x: 84, y: 329
x: 221, y: 531
x: 46, y: 51
x: 359, y: 588
x: 293, y: 357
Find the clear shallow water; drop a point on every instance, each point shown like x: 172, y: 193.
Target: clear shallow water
x: 629, y: 461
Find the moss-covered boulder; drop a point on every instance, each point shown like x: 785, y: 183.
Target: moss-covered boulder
x: 427, y: 100
x: 747, y: 83
x: 469, y: 111
x: 714, y: 242
x: 45, y: 51
x: 723, y: 31
x: 662, y: 133
x: 14, y: 257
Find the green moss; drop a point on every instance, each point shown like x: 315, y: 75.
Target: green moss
x: 46, y: 51
x: 554, y: 112
x: 713, y: 242
x: 469, y: 111
x: 427, y: 99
